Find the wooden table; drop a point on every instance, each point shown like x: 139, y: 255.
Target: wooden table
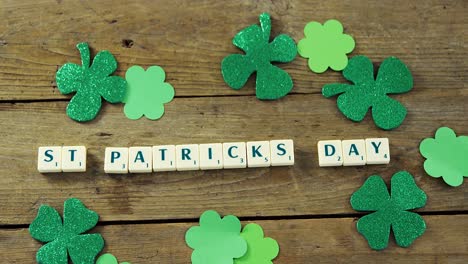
x: 143, y: 217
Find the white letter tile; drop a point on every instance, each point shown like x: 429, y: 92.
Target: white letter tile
x: 49, y: 159
x: 258, y: 154
x: 140, y: 159
x: 116, y: 160
x: 187, y: 157
x: 354, y: 152
x: 282, y: 152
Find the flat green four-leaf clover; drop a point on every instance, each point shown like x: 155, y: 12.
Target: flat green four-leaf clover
x: 390, y: 210
x: 66, y: 238
x: 90, y: 82
x: 260, y: 249
x: 108, y: 259
x: 272, y: 82
x: 367, y: 92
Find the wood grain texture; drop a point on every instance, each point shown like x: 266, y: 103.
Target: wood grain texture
x: 301, y: 241
x: 37, y: 37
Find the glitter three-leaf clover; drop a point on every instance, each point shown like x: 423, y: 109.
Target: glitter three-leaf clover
x: 367, y: 92
x: 62, y: 237
x: 447, y: 156
x: 217, y: 240
x: 146, y: 92
x: 90, y: 82
x: 260, y: 249
x: 272, y: 82
x: 390, y: 211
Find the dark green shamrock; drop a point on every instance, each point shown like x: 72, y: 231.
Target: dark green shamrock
x: 369, y: 92
x: 90, y: 83
x: 272, y: 82
x: 390, y: 210
x: 66, y: 237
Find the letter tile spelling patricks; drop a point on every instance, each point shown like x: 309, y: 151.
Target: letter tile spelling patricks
x: 272, y: 82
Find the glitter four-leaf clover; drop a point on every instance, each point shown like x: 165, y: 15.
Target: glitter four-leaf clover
x: 146, y: 92
x: 109, y: 259
x: 390, y: 210
x: 66, y: 238
x: 367, y: 92
x: 272, y: 82
x: 447, y: 156
x: 325, y: 46
x: 90, y: 82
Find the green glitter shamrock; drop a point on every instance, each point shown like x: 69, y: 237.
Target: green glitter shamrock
x: 217, y: 240
x: 390, y: 210
x: 90, y: 83
x: 325, y: 46
x: 272, y: 82
x: 354, y: 102
x: 109, y: 259
x: 66, y: 237
x: 146, y: 92
x: 260, y: 250
x: 447, y: 156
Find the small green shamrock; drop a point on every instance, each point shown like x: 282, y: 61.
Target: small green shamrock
x: 260, y: 250
x: 146, y: 92
x: 272, y: 82
x: 217, y: 240
x: 447, y: 156
x: 90, y: 83
x: 109, y: 259
x: 325, y: 46
x: 67, y: 236
x: 355, y: 100
x: 390, y: 211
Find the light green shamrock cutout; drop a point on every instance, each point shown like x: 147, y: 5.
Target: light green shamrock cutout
x: 325, y: 46
x: 90, y: 83
x: 447, y: 156
x: 67, y: 236
x: 390, y: 210
x: 109, y: 259
x: 146, y: 92
x: 260, y: 250
x: 368, y: 92
x: 217, y: 240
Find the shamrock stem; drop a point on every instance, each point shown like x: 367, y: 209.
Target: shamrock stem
x: 265, y: 23
x: 84, y: 52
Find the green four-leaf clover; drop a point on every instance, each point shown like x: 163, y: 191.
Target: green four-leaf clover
x: 108, y: 259
x: 272, y: 82
x: 260, y: 249
x: 90, y: 83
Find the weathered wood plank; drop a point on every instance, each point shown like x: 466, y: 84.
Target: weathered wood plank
x: 304, y: 189
x: 301, y: 241
x: 36, y: 37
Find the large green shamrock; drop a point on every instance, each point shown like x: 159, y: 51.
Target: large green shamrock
x: 393, y: 78
x: 260, y: 250
x: 390, y: 211
x: 90, y: 83
x: 66, y: 237
x: 217, y: 240
x: 109, y: 259
x: 447, y: 156
x: 146, y: 92
x: 272, y: 82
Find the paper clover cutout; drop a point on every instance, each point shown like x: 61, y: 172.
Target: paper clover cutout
x: 272, y: 82
x: 390, y: 211
x: 109, y: 259
x: 146, y: 92
x: 447, y: 156
x: 90, y: 83
x: 67, y: 236
x: 355, y: 100
x: 260, y: 249
x: 325, y: 46
x: 217, y: 240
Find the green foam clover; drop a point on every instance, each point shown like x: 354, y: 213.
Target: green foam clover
x: 367, y: 92
x: 61, y: 238
x: 272, y: 82
x: 217, y: 240
x: 447, y: 156
x: 90, y: 82
x: 146, y: 92
x: 109, y: 259
x: 260, y: 249
x: 325, y: 46
x: 390, y: 210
